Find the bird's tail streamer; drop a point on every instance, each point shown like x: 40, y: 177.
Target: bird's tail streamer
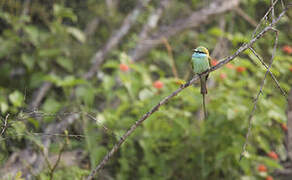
x: 204, y: 92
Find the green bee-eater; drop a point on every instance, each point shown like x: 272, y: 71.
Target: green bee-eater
x: 201, y: 63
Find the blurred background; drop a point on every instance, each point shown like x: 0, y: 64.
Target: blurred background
x: 76, y: 74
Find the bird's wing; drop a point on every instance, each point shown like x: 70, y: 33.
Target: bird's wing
x: 209, y: 59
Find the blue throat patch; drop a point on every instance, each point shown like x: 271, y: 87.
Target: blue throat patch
x: 199, y: 55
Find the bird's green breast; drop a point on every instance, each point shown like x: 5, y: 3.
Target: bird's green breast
x: 200, y: 63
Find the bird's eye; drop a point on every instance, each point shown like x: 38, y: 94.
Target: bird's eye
x: 199, y: 52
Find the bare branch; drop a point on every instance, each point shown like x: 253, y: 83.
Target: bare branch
x: 264, y: 17
x: 166, y: 99
x: 107, y: 130
x: 273, y: 11
x: 4, y: 126
x: 289, y: 125
x: 52, y: 170
x: 257, y: 97
x: 283, y: 5
x: 220, y: 49
x: 39, y: 95
x: 91, y: 27
x: 153, y: 19
x: 100, y: 55
x: 170, y: 54
x: 50, y: 132
x: 246, y: 17
x: 111, y: 6
x: 149, y: 26
x: 272, y: 75
x: 25, y: 7
x: 196, y: 19
x: 58, y: 127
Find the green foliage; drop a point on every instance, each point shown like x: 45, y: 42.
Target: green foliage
x: 50, y: 45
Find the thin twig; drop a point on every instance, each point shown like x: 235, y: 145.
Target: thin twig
x: 114, y: 40
x: 76, y: 136
x: 245, y: 16
x: 91, y: 27
x: 264, y: 17
x: 45, y: 155
x: 257, y: 98
x: 273, y: 11
x: 107, y: 130
x: 283, y: 5
x: 4, y: 126
x: 195, y: 19
x: 25, y: 8
x: 58, y: 160
x: 39, y: 95
x: 170, y: 54
x: 166, y: 99
x: 272, y: 75
x: 44, y: 152
x: 120, y: 33
x: 288, y: 138
x: 151, y: 24
x: 220, y: 47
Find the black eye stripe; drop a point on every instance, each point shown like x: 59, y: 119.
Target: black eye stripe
x: 200, y: 52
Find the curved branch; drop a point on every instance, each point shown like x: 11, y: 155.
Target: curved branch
x: 196, y: 19
x: 149, y: 26
x: 166, y: 99
x: 100, y: 55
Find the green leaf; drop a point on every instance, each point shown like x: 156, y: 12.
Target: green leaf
x: 279, y: 117
x: 51, y: 106
x: 68, y: 81
x: 145, y: 94
x: 18, y: 176
x: 78, y: 34
x: 28, y: 61
x: 34, y: 122
x: 19, y: 128
x: 33, y: 34
x: 4, y: 107
x: 49, y: 53
x: 65, y: 63
x: 62, y: 12
x: 215, y: 31
x: 16, y: 98
x: 86, y: 94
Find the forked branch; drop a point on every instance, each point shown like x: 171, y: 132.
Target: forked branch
x: 166, y: 99
x: 257, y: 97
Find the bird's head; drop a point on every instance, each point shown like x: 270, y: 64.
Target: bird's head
x: 201, y: 51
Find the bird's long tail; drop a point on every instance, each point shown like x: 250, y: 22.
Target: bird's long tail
x: 204, y: 91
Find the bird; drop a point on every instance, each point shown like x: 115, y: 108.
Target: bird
x: 201, y: 63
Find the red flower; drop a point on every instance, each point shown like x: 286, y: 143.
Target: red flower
x: 240, y: 69
x: 223, y: 75
x: 269, y: 178
x: 124, y: 67
x: 290, y: 68
x: 287, y: 49
x: 230, y: 66
x: 284, y: 127
x: 262, y: 168
x: 273, y: 155
x: 214, y: 62
x: 158, y: 84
